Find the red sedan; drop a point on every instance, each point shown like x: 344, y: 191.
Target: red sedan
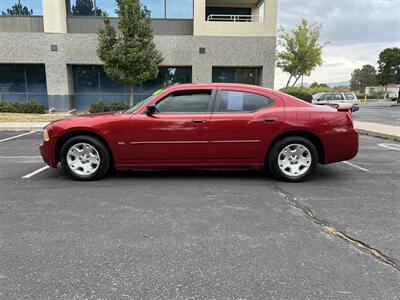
x: 205, y: 126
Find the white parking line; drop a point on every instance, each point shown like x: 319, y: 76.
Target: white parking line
x: 390, y: 146
x: 17, y: 136
x: 355, y: 166
x: 35, y: 172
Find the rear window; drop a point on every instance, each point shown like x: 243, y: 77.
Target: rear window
x: 236, y: 101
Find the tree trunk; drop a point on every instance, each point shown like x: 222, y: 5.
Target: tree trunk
x: 398, y: 97
x: 297, y: 79
x: 131, y: 90
x: 290, y: 78
x: 384, y: 96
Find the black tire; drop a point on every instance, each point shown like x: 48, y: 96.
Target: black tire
x: 277, y: 147
x: 102, y: 150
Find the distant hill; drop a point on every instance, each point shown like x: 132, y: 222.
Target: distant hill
x: 330, y: 84
x: 340, y: 83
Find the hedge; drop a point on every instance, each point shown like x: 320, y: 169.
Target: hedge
x: 101, y: 106
x: 299, y: 93
x: 30, y: 107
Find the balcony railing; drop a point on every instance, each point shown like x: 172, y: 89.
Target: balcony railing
x: 234, y: 18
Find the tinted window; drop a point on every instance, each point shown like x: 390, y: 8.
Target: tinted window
x: 337, y: 97
x: 83, y: 8
x: 179, y: 9
x: 92, y: 84
x: 236, y: 75
x: 156, y: 8
x: 349, y: 96
x: 328, y: 97
x: 20, y: 82
x: 21, y: 8
x: 186, y: 102
x: 234, y: 101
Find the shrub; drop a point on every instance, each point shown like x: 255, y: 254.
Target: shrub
x: 101, y: 106
x: 299, y: 93
x: 30, y: 107
x: 117, y: 106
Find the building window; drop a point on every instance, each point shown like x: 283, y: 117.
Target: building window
x: 21, y: 83
x: 21, y: 7
x: 236, y: 75
x: 92, y: 84
x: 159, y: 9
x: 179, y: 9
x: 156, y: 8
x: 83, y: 8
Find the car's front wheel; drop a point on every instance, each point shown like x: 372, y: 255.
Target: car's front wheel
x: 85, y: 158
x: 292, y: 159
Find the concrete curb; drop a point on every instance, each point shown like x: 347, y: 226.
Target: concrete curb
x: 378, y: 130
x: 22, y: 126
x: 378, y: 134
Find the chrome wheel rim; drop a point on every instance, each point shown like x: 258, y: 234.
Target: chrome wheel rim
x: 294, y: 160
x: 83, y: 159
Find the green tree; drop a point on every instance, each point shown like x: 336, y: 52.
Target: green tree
x: 389, y: 67
x: 318, y: 85
x: 85, y: 8
x: 301, y: 51
x: 17, y: 10
x: 361, y: 78
x: 131, y: 56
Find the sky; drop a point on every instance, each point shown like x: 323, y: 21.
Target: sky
x: 357, y: 31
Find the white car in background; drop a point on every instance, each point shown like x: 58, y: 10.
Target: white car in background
x: 334, y: 98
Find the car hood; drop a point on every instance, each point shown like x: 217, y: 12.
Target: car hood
x: 88, y: 120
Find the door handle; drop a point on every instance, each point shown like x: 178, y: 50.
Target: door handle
x: 270, y: 120
x: 199, y: 121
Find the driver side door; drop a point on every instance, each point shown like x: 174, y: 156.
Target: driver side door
x: 177, y: 133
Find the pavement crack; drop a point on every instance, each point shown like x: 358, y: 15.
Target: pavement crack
x: 327, y: 228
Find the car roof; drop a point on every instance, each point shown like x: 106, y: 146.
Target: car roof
x: 215, y: 85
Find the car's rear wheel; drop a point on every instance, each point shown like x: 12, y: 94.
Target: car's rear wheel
x: 85, y: 158
x: 292, y: 159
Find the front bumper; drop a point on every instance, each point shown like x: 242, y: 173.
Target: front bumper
x: 47, y: 149
x: 47, y: 153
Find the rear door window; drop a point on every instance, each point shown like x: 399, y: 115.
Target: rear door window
x: 349, y: 96
x: 337, y: 97
x: 237, y: 102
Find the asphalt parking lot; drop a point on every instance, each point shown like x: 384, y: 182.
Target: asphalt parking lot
x: 199, y: 234
x: 379, y: 112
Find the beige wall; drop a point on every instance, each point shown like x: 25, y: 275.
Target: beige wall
x: 255, y: 29
x: 54, y: 16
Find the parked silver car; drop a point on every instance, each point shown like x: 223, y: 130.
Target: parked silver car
x: 333, y: 98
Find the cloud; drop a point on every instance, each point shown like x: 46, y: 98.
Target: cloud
x: 357, y: 31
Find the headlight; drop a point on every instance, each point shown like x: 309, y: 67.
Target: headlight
x: 46, y: 137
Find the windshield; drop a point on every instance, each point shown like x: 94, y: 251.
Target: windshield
x: 141, y: 103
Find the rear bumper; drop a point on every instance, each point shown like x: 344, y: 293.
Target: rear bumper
x: 340, y: 146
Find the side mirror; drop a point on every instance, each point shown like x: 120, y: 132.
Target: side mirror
x: 151, y: 109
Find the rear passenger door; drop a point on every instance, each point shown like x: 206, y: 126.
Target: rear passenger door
x: 337, y: 98
x: 241, y: 123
